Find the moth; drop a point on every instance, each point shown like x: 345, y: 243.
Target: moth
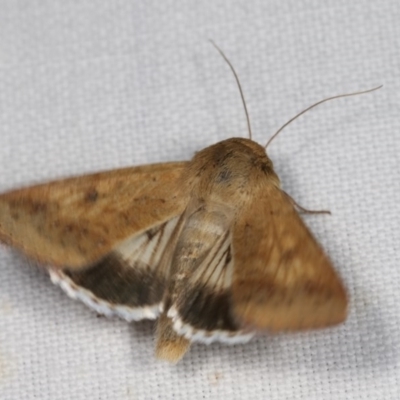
x: 212, y: 247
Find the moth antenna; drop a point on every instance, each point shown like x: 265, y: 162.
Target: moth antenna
x: 315, y: 105
x: 239, y: 86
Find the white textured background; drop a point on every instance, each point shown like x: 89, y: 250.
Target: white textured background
x: 94, y: 85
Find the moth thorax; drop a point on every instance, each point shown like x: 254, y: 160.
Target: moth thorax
x: 230, y: 171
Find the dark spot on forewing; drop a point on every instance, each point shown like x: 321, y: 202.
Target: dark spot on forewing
x: 37, y: 206
x: 119, y: 283
x: 91, y: 196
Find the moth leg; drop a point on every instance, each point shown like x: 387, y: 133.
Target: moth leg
x: 170, y: 346
x: 305, y: 210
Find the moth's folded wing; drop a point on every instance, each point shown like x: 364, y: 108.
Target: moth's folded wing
x: 282, y: 280
x: 74, y: 222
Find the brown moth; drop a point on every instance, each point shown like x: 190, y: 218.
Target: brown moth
x: 211, y: 247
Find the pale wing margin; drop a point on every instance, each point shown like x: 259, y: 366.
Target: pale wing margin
x: 131, y: 280
x: 282, y: 279
x: 74, y: 222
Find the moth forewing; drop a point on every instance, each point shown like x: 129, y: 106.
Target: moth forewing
x: 74, y: 222
x: 282, y: 278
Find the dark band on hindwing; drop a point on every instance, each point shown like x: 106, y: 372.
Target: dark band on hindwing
x: 207, y: 310
x: 116, y: 282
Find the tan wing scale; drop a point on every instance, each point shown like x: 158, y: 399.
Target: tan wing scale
x: 75, y: 222
x: 282, y: 279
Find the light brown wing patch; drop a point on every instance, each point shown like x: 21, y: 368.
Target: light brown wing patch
x: 74, y: 222
x: 282, y: 279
